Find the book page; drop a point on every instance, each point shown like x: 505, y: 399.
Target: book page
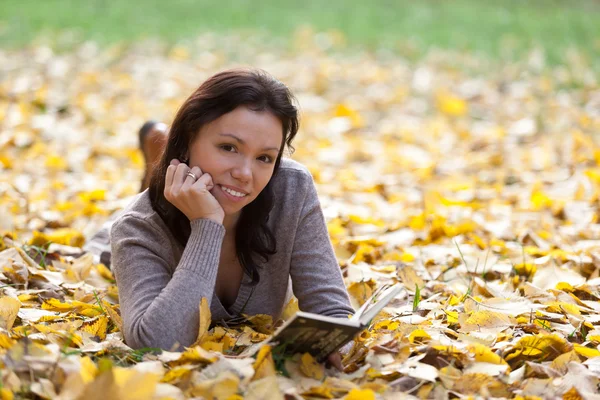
x: 376, y: 303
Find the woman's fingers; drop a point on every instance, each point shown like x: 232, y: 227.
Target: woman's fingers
x: 169, y: 176
x: 189, y: 191
x: 190, y: 180
x: 179, y: 178
x: 335, y: 359
x: 204, y: 182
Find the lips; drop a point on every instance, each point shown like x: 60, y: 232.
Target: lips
x: 230, y: 197
x: 235, y: 189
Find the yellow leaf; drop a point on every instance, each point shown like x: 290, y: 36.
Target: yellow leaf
x: 386, y: 325
x: 479, y: 383
x: 9, y: 308
x: 538, y: 348
x: 525, y: 269
x: 222, y: 387
x: 485, y: 354
x: 539, y: 200
x: 595, y: 339
x: 360, y: 394
x: 74, y: 305
x: 290, y: 309
x: 419, y: 336
x: 336, y: 228
x: 485, y: 319
x: 565, y: 287
x: 264, y: 365
x: 195, y: 354
x: 586, y: 351
x: 135, y: 385
x: 55, y: 162
x: 94, y: 195
x: 105, y: 272
x: 114, y: 316
x: 64, y: 236
x: 454, y: 300
x: 562, y: 307
x: 5, y: 341
x: 322, y: 392
x: 26, y: 297
x: 310, y: 367
x: 572, y: 394
x: 212, y: 346
x: 362, y: 290
x: 6, y: 162
x: 205, y: 319
x: 343, y: 110
x: 6, y: 394
x: 452, y: 105
x: 262, y: 323
x: 364, y: 253
x: 452, y: 317
x: 410, y: 279
x: 88, y: 369
x: 97, y: 327
x: 176, y: 374
x: 364, y: 335
x: 263, y: 389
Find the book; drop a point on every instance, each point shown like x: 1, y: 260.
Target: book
x: 320, y: 335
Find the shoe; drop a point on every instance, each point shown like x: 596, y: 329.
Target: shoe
x: 153, y: 140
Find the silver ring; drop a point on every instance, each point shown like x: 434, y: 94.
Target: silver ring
x: 190, y: 173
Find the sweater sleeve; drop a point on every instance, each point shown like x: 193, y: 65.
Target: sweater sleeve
x: 316, y: 276
x: 160, y: 308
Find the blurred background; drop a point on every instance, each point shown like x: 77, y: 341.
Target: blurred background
x: 438, y: 133
x: 396, y: 97
x: 500, y: 28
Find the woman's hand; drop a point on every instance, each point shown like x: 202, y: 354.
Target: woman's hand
x: 335, y: 359
x: 192, y: 197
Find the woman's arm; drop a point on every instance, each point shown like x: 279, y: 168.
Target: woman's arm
x: 316, y: 276
x: 160, y: 310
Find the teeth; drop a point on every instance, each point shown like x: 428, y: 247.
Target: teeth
x: 233, y: 192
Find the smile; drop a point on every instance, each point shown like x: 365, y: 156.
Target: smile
x: 232, y: 192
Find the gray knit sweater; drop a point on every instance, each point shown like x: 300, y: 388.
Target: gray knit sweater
x: 161, y: 282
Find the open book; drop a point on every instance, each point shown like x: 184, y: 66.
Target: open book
x: 320, y: 335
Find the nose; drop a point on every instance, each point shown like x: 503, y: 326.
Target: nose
x: 243, y: 171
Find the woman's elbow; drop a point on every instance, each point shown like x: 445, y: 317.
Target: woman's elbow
x: 138, y: 336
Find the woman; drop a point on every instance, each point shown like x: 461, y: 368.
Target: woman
x: 225, y: 217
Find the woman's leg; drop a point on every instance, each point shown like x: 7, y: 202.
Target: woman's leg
x: 153, y: 139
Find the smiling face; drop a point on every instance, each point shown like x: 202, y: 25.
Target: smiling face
x: 238, y: 150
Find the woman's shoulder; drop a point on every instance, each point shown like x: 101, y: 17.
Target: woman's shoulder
x: 292, y: 172
x: 293, y: 185
x: 140, y: 216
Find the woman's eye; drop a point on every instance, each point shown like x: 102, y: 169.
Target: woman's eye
x: 266, y: 159
x: 227, y: 147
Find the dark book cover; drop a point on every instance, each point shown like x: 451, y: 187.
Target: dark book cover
x: 320, y: 335
x: 309, y: 335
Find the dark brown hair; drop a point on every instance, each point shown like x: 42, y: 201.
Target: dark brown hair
x: 219, y: 95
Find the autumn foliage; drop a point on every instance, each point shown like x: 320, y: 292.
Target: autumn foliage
x: 476, y: 185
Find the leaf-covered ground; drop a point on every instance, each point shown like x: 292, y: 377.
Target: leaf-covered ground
x: 474, y: 184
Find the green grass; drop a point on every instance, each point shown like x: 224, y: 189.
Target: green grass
x: 483, y: 26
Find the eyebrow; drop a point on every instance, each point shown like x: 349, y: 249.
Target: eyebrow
x: 243, y: 142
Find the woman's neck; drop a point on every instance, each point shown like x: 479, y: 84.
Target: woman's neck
x: 230, y: 222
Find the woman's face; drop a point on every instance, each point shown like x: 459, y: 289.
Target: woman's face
x: 238, y: 150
